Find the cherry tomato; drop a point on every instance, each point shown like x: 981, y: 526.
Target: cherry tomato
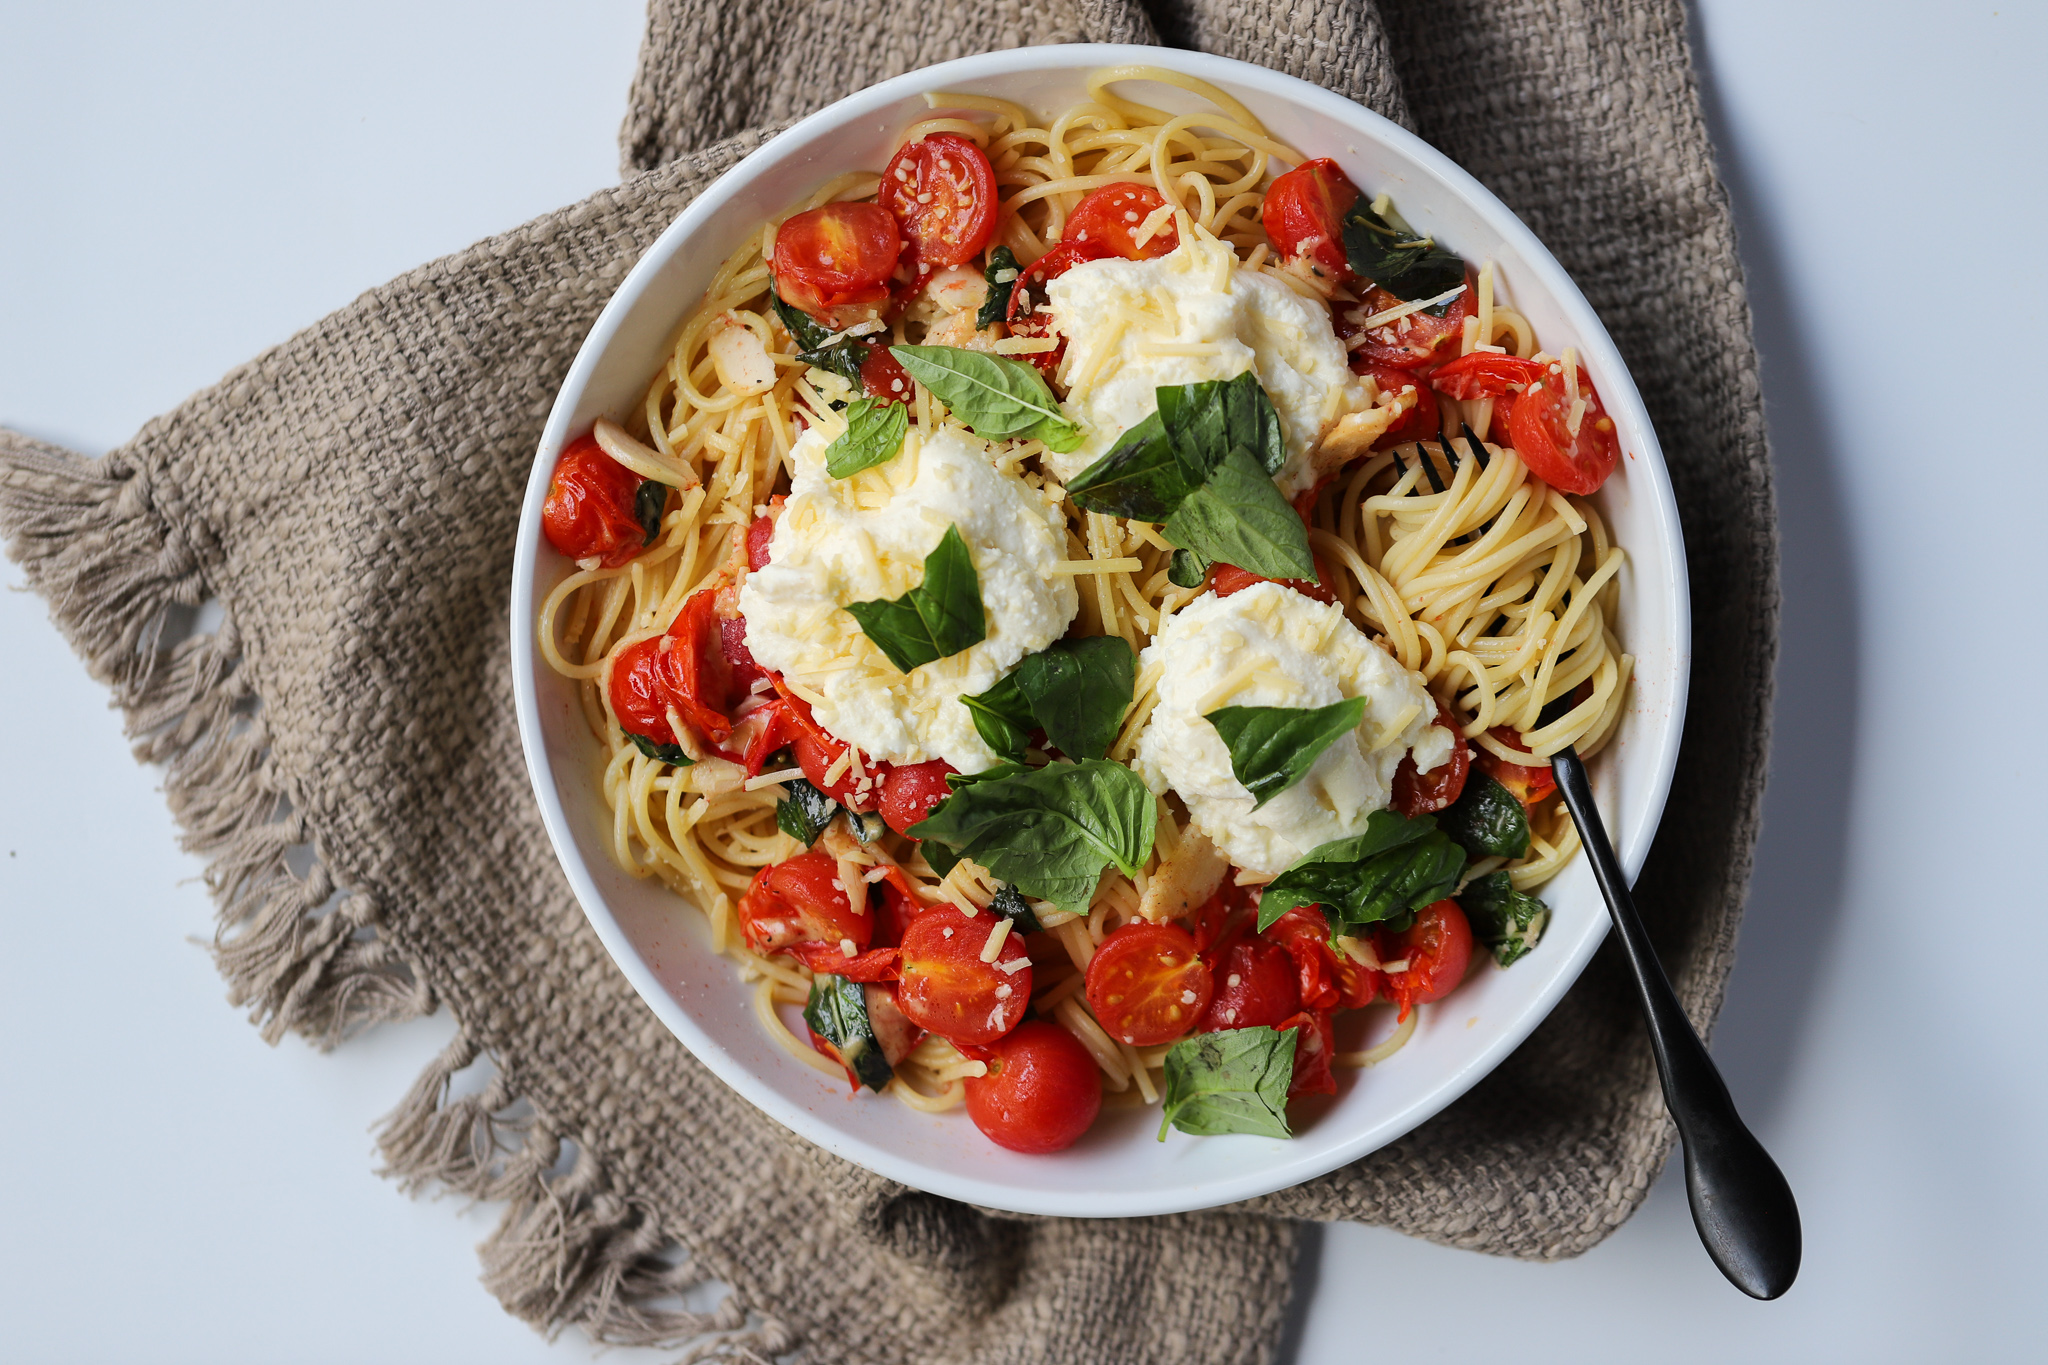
x: 1530, y: 782
x: 894, y: 901
x: 1314, y: 1048
x: 876, y: 964
x: 834, y: 262
x: 1254, y: 985
x: 1421, y: 422
x: 817, y: 753
x: 1438, y: 789
x: 1107, y: 220
x: 1304, y: 215
x: 1436, y: 948
x: 1414, y: 342
x: 1147, y: 984
x: 701, y: 678
x: 638, y: 698
x: 1028, y: 293
x: 1225, y: 579
x: 948, y: 989
x: 589, y: 512
x: 1539, y: 424
x: 910, y: 790
x: 802, y: 901
x: 943, y: 191
x: 1041, y: 1092
x: 882, y: 376
x: 1305, y: 934
x: 1483, y: 374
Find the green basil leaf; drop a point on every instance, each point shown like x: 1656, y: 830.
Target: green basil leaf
x: 941, y: 859
x: 843, y: 357
x: 649, y: 501
x: 1393, y: 866
x: 1273, y: 747
x: 805, y: 330
x: 1048, y: 831
x: 1238, y: 517
x: 1231, y: 1081
x: 1001, y: 275
x: 1504, y: 919
x: 1487, y: 819
x: 837, y: 1011
x: 995, y: 396
x: 805, y: 812
x: 1079, y: 690
x: 1187, y: 569
x: 1002, y: 718
x: 1141, y: 476
x: 1216, y: 414
x: 660, y: 753
x: 874, y: 434
x: 1406, y: 266
x: 934, y: 620
x: 1011, y: 905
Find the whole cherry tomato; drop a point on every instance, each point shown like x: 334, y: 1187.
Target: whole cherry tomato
x: 1254, y: 985
x: 1530, y: 782
x: 1435, y: 948
x: 1304, y: 215
x: 1027, y: 295
x: 943, y: 192
x: 1147, y: 984
x: 1041, y: 1092
x: 1438, y: 789
x: 802, y: 901
x: 1540, y: 425
x: 1107, y: 221
x: 910, y: 790
x: 589, y: 512
x: 834, y: 262
x: 948, y: 989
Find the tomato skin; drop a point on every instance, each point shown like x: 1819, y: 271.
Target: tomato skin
x: 761, y: 534
x: 1226, y: 579
x: 1147, y: 984
x: 1255, y: 985
x: 875, y: 964
x: 1107, y: 221
x: 910, y: 790
x: 947, y: 989
x: 817, y: 751
x: 637, y: 696
x: 882, y: 376
x: 957, y: 185
x: 1028, y: 293
x: 1304, y: 215
x: 589, y: 510
x: 1315, y: 1047
x: 1041, y: 1093
x: 701, y: 678
x: 1437, y: 948
x: 1415, y: 342
x: 801, y: 901
x: 1423, y: 422
x: 1483, y: 374
x: 834, y: 261
x: 1305, y: 934
x: 1417, y: 793
x: 1530, y: 782
x: 1571, y: 464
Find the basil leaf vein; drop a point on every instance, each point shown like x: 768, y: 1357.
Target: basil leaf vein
x: 1239, y: 517
x: 1506, y: 920
x: 1273, y: 747
x: 995, y: 396
x: 874, y: 435
x: 1393, y: 866
x: 1216, y: 414
x: 934, y: 620
x: 1231, y: 1081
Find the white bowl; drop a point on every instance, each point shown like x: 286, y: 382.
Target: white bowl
x: 662, y: 944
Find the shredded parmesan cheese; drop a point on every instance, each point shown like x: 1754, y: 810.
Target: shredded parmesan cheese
x: 755, y: 784
x: 1395, y: 314
x: 993, y: 949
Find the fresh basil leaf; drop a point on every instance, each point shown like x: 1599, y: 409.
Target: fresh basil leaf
x: 843, y: 357
x: 874, y: 435
x: 1504, y: 919
x: 1395, y: 865
x: 837, y: 1011
x: 1001, y: 275
x: 649, y: 500
x: 1011, y: 905
x: 805, y: 330
x: 1273, y: 747
x: 1079, y: 690
x: 660, y: 753
x: 1487, y: 820
x: 1230, y: 1081
x: 1141, y: 476
x: 1002, y: 718
x: 1238, y: 517
x: 934, y: 620
x: 1187, y: 569
x: 1406, y: 266
x: 1048, y: 831
x: 805, y: 812
x: 995, y: 396
x: 1216, y: 414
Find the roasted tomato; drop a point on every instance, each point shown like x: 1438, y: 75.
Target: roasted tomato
x: 802, y: 901
x: 1439, y: 788
x: 1570, y: 458
x: 1041, y: 1092
x: 1431, y: 954
x: 1530, y: 782
x: 638, y: 698
x: 590, y: 510
x: 818, y: 754
x: 948, y: 989
x: 1028, y: 295
x: 706, y: 667
x: 883, y: 378
x: 1413, y: 342
x: 760, y: 535
x: 1255, y: 985
x: 1225, y: 579
x: 943, y: 192
x: 1420, y: 423
x: 1483, y: 374
x: 1304, y: 215
x: 1305, y: 934
x: 1107, y: 221
x: 1147, y: 984
x: 1314, y: 1049
x: 910, y: 790
x: 834, y: 262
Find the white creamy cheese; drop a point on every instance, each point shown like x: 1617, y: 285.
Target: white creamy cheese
x: 1190, y: 315
x: 866, y: 537
x: 1270, y: 646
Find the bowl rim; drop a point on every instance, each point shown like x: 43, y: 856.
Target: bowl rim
x: 1647, y: 471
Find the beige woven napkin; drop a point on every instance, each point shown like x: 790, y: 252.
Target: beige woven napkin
x: 352, y: 496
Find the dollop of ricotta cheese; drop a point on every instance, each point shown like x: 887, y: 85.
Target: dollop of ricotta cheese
x: 1193, y: 314
x: 866, y: 537
x: 1270, y: 646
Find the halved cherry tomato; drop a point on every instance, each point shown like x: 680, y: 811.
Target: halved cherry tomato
x: 1419, y: 423
x: 1530, y: 782
x: 1041, y: 1092
x: 943, y: 191
x: 638, y: 698
x: 1436, y: 948
x: 1539, y: 424
x: 1305, y: 934
x: 1147, y: 984
x: 1226, y: 579
x: 910, y: 790
x: 801, y: 901
x: 589, y: 512
x: 882, y: 376
x: 817, y: 753
x: 1028, y: 294
x: 1438, y: 789
x: 834, y: 261
x: 1414, y: 342
x: 1108, y: 219
x: 1314, y: 1049
x: 1304, y: 215
x: 1254, y: 985
x: 1483, y: 374
x: 948, y: 989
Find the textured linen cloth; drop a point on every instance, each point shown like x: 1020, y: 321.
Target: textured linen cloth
x: 351, y: 498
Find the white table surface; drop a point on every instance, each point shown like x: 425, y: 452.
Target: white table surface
x: 182, y: 185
